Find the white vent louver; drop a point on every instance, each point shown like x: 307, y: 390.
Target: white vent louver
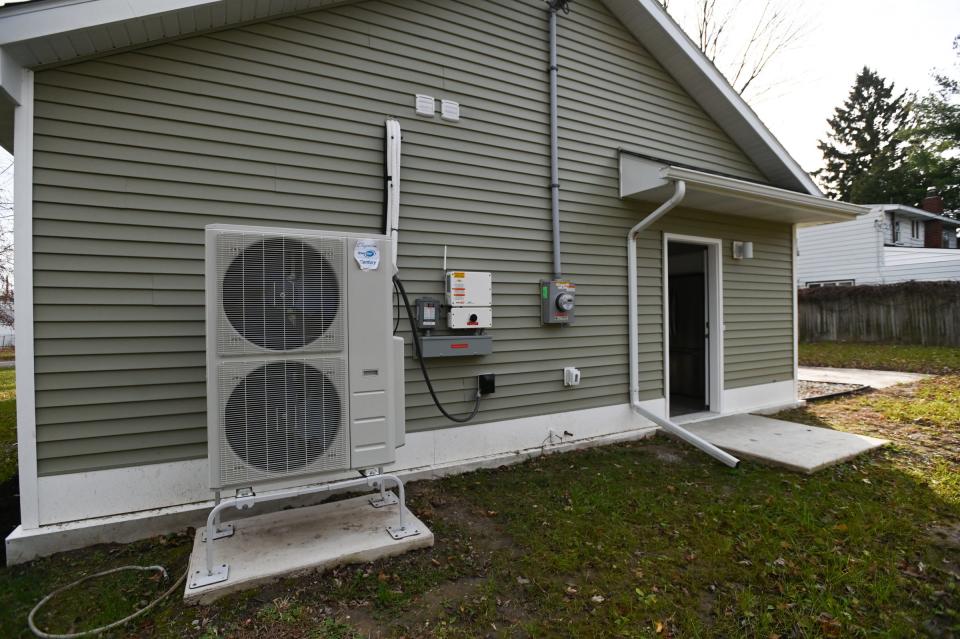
x: 279, y: 383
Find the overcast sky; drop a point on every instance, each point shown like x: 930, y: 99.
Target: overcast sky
x: 903, y: 40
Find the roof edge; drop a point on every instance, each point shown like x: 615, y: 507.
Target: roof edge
x: 666, y: 41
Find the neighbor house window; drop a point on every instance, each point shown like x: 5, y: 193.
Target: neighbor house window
x: 914, y: 229
x: 896, y: 231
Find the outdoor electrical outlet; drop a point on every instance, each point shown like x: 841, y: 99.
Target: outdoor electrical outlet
x: 486, y: 383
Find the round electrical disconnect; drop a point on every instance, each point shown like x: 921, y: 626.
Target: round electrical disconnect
x: 565, y: 302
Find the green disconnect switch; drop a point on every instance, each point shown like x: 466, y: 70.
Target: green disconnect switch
x: 544, y: 292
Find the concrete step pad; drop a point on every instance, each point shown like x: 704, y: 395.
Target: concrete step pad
x: 274, y: 545
x: 798, y: 447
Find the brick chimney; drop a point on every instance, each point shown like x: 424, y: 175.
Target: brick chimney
x: 932, y: 202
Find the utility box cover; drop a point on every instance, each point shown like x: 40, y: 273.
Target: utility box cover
x: 469, y: 288
x: 456, y: 345
x: 470, y: 317
x: 557, y: 301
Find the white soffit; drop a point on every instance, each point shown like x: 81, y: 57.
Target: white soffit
x: 666, y: 41
x: 51, y: 32
x: 652, y: 181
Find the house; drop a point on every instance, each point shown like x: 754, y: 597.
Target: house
x: 892, y: 243
x: 135, y: 125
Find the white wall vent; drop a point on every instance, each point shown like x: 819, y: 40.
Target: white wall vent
x: 304, y: 377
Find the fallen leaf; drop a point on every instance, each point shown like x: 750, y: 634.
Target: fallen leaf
x: 523, y: 581
x: 658, y: 627
x: 597, y: 599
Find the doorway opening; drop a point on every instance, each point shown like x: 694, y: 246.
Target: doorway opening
x: 688, y: 326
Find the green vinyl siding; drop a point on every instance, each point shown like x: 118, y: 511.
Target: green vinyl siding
x: 281, y: 123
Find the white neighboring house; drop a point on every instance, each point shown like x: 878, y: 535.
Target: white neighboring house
x: 892, y: 243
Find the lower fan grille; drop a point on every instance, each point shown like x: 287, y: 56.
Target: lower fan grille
x: 281, y: 418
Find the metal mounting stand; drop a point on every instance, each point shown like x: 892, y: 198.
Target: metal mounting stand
x: 221, y: 530
x: 245, y: 499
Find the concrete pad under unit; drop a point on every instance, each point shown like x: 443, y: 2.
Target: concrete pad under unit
x: 278, y: 544
x: 863, y: 377
x: 795, y: 446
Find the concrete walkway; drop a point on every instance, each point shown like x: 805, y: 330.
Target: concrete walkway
x: 860, y: 376
x: 798, y: 447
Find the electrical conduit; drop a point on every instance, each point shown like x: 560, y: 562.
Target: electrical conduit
x: 553, y: 7
x: 680, y: 189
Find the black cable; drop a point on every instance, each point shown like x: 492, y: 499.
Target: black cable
x: 559, y: 5
x: 396, y: 309
x: 423, y: 366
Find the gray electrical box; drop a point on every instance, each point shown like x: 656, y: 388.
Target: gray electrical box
x: 557, y: 301
x: 456, y: 345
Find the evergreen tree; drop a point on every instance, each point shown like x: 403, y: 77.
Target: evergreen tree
x: 933, y: 155
x: 863, y: 155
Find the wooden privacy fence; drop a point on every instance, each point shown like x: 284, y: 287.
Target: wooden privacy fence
x: 925, y: 313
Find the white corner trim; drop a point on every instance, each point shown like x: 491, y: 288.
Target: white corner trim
x: 23, y: 310
x: 795, y: 270
x: 714, y: 316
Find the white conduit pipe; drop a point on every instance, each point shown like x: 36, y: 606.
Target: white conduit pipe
x: 680, y: 190
x: 392, y: 229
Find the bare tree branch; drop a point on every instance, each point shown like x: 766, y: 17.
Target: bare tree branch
x: 742, y: 38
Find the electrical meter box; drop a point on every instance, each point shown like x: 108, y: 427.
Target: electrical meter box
x: 557, y: 301
x: 469, y: 288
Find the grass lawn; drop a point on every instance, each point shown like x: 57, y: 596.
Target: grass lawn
x: 937, y: 360
x: 649, y: 539
x: 8, y: 424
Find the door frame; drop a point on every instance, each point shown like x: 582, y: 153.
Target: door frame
x: 714, y: 281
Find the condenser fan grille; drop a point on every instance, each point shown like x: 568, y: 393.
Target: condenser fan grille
x: 280, y: 293
x: 281, y: 418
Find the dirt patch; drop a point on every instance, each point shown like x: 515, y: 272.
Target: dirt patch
x: 666, y: 454
x: 484, y: 534
x: 412, y: 621
x: 946, y: 535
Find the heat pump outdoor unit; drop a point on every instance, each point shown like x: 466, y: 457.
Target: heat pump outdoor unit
x: 304, y: 376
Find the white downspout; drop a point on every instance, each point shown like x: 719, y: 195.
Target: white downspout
x: 680, y: 189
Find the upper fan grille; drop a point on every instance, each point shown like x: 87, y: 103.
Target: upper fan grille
x: 279, y: 293
x: 281, y: 418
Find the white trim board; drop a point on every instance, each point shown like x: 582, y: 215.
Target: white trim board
x: 714, y: 278
x: 760, y: 398
x: 102, y: 493
x: 427, y: 455
x: 125, y: 504
x: 23, y: 312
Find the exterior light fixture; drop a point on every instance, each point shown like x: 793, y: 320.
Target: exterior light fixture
x: 742, y: 250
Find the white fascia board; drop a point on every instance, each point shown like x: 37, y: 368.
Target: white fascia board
x: 643, y: 178
x: 50, y: 18
x: 11, y: 77
x: 667, y: 42
x: 763, y: 193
